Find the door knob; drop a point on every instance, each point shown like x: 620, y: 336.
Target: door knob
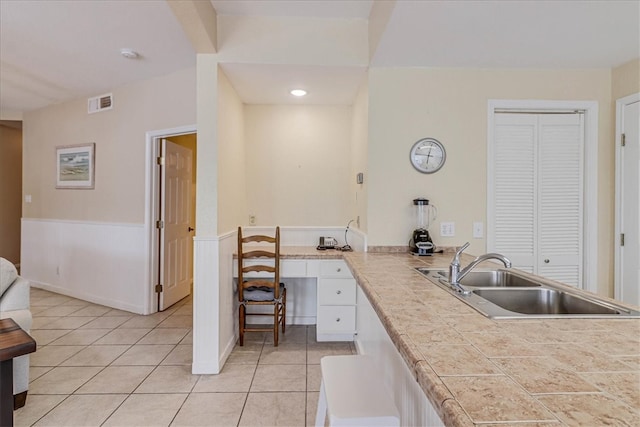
x: 546, y: 261
x: 191, y: 229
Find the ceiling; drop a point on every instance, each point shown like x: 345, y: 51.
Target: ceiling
x: 56, y: 50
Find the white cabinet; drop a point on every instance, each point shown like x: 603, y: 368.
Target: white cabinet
x: 373, y: 340
x: 336, y: 316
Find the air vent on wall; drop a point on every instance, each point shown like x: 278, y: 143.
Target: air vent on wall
x: 100, y: 103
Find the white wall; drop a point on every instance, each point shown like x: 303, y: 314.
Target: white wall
x: 232, y: 189
x: 292, y: 40
x: 451, y: 106
x: 92, y: 244
x: 105, y: 263
x: 298, y: 164
x: 119, y: 134
x: 359, y: 153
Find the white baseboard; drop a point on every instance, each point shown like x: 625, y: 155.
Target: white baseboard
x: 120, y: 305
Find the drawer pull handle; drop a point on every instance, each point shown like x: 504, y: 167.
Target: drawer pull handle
x: 338, y: 292
x: 338, y: 319
x: 339, y: 270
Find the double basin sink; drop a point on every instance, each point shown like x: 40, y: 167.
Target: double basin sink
x: 507, y: 294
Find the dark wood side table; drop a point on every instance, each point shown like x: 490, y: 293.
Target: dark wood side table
x: 14, y: 342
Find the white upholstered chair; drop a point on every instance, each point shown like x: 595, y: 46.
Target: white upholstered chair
x: 14, y: 304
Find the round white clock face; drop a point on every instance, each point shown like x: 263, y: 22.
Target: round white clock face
x: 427, y: 155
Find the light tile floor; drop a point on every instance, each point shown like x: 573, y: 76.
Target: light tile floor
x: 99, y: 366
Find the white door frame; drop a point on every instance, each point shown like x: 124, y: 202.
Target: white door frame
x: 151, y: 192
x: 590, y: 109
x: 617, y: 254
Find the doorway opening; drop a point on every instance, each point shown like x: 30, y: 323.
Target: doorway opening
x: 627, y: 202
x: 170, y: 215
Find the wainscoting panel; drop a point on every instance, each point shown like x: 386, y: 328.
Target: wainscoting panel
x: 309, y: 236
x: 104, y: 263
x: 207, y: 306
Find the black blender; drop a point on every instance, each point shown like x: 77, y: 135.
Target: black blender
x: 421, y: 243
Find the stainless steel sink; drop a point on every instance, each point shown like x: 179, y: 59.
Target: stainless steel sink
x: 510, y: 294
x: 494, y: 278
x: 543, y: 301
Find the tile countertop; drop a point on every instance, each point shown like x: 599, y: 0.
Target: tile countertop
x: 478, y: 371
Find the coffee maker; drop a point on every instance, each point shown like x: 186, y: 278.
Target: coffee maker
x: 421, y: 243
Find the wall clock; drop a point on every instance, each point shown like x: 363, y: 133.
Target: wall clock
x: 427, y: 155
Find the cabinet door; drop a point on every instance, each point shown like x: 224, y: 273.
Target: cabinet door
x: 536, y: 193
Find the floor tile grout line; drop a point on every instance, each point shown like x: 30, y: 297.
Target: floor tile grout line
x: 306, y: 330
x: 255, y: 370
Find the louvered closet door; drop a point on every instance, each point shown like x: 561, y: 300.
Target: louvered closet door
x: 560, y: 198
x: 537, y: 188
x: 514, y: 189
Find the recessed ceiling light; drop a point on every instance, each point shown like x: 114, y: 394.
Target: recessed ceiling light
x: 298, y: 92
x: 129, y: 53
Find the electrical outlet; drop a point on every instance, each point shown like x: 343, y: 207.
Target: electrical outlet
x: 252, y: 220
x: 478, y: 230
x: 447, y: 229
x: 27, y: 198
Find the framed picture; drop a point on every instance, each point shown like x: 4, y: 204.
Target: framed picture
x: 75, y: 166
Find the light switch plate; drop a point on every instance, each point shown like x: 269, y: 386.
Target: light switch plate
x: 447, y: 229
x: 478, y: 230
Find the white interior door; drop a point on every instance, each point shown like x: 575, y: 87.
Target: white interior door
x: 176, y: 273
x: 536, y: 193
x: 628, y: 282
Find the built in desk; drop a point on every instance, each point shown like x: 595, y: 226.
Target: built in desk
x: 332, y: 307
x: 14, y: 342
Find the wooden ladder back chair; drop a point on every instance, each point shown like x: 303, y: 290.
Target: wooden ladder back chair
x: 264, y: 287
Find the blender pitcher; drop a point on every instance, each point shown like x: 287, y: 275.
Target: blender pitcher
x: 421, y: 243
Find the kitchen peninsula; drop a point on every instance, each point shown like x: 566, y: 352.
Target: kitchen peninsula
x: 478, y: 371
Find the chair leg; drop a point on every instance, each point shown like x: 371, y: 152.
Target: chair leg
x: 284, y: 309
x: 276, y: 309
x: 241, y: 320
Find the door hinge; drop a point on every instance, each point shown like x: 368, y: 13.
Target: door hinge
x: 623, y: 139
x: 158, y: 288
x: 160, y: 224
x: 622, y: 239
x: 160, y: 160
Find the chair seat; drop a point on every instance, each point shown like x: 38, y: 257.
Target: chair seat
x: 261, y: 293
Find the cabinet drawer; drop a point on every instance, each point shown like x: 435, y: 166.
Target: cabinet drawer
x: 336, y: 292
x: 337, y: 268
x: 334, y: 319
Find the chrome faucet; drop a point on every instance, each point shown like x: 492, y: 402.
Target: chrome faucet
x: 455, y: 274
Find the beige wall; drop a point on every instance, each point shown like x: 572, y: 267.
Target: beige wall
x: 232, y: 190
x: 625, y: 80
x: 451, y: 106
x: 298, y: 164
x: 359, y: 152
x: 10, y: 192
x: 119, y: 134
